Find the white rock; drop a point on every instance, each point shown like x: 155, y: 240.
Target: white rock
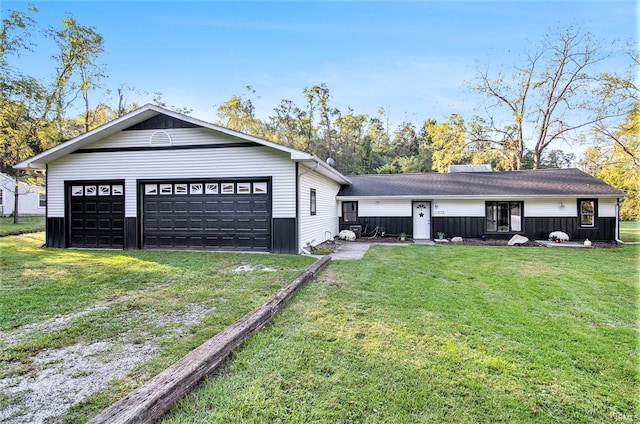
x: 347, y: 235
x: 587, y: 242
x: 558, y: 235
x: 517, y: 239
x: 456, y: 240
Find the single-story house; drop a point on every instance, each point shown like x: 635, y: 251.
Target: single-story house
x: 31, y: 198
x: 157, y: 179
x: 472, y: 204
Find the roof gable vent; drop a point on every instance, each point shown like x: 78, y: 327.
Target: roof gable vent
x: 470, y: 168
x: 160, y: 138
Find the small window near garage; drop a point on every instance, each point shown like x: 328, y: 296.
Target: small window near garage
x: 195, y: 188
x: 151, y: 189
x: 350, y: 211
x: 181, y: 189
x: 166, y: 188
x: 503, y: 217
x: 211, y: 188
x: 587, y: 210
x: 312, y: 201
x: 244, y: 188
x: 104, y: 190
x: 228, y: 188
x: 259, y: 188
x: 90, y: 190
x: 117, y: 190
x: 77, y: 190
x: 42, y: 200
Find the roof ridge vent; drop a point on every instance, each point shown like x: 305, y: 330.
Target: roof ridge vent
x: 470, y: 168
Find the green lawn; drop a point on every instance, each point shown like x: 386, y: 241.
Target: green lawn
x: 26, y: 224
x: 53, y: 298
x: 630, y: 231
x: 443, y: 334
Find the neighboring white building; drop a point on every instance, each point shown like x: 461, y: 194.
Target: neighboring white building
x: 32, y: 200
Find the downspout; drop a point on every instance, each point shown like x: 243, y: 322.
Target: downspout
x: 301, y: 249
x: 617, y: 235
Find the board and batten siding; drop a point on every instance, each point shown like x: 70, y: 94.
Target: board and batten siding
x: 315, y: 229
x: 244, y: 162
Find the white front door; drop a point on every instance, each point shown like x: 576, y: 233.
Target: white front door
x: 421, y: 220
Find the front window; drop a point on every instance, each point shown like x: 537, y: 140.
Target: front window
x: 42, y: 200
x: 349, y: 211
x: 1, y: 197
x: 587, y: 210
x: 503, y: 217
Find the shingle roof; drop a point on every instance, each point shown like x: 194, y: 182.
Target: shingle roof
x: 544, y: 182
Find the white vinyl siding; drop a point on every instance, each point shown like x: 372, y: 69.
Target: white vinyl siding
x: 384, y: 207
x: 29, y: 200
x: 557, y: 207
x: 179, y: 137
x: 245, y: 162
x: 453, y: 207
x: 315, y: 229
x: 607, y: 208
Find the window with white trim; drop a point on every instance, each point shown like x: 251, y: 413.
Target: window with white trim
x: 42, y: 200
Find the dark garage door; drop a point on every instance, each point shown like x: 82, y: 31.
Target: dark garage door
x: 207, y: 215
x: 96, y: 215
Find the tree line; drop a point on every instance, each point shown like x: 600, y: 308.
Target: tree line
x: 559, y: 92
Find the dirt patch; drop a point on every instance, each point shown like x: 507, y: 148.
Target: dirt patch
x: 62, y: 377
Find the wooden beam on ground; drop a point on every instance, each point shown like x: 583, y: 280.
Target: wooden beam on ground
x: 151, y: 401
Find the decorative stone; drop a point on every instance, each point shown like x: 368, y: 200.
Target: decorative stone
x: 558, y: 235
x: 517, y: 239
x: 456, y: 240
x: 587, y: 242
x: 347, y: 235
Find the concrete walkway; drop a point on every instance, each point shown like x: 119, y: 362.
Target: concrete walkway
x: 345, y: 250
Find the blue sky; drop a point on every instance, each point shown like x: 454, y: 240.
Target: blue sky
x: 411, y: 58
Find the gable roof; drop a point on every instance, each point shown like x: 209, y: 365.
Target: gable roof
x: 508, y: 184
x: 148, y: 113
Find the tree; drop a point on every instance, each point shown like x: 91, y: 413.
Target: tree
x: 32, y: 115
x: 238, y: 114
x: 546, y: 99
x: 449, y: 143
x: 616, y: 160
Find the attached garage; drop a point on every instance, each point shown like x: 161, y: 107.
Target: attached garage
x: 158, y: 179
x: 96, y: 214
x: 206, y: 214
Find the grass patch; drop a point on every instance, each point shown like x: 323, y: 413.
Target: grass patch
x: 26, y: 224
x: 55, y: 298
x: 443, y: 334
x: 630, y: 231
